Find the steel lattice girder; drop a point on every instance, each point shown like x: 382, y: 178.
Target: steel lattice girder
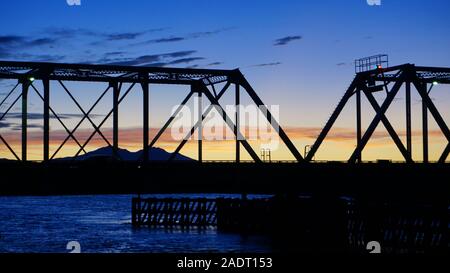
x: 108, y: 73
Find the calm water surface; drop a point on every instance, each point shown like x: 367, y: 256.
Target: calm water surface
x: 102, y: 224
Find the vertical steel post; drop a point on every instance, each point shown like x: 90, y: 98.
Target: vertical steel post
x: 25, y: 87
x: 358, y: 123
x: 425, y: 127
x: 145, y: 89
x: 408, y: 119
x: 116, y: 94
x: 238, y: 124
x: 200, y: 127
x: 46, y: 84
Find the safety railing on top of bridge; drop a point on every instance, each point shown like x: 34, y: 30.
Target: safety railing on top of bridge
x: 371, y: 63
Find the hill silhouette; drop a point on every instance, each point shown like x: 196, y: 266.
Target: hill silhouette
x: 155, y: 154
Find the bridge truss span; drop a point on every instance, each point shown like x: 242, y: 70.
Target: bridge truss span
x: 391, y: 80
x: 201, y: 82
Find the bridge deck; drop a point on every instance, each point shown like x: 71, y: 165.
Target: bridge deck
x: 393, y: 181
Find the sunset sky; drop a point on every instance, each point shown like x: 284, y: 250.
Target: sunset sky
x: 296, y: 54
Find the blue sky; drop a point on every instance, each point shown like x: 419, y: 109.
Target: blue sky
x: 306, y: 75
x: 333, y: 32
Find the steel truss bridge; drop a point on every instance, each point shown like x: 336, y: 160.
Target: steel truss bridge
x: 213, y: 84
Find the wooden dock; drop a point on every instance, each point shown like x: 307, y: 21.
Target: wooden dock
x: 308, y: 222
x: 232, y: 214
x: 169, y: 212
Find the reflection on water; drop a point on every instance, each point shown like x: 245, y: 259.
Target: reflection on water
x: 102, y: 224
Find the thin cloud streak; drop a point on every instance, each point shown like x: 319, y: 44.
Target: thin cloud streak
x: 286, y: 40
x: 195, y: 35
x: 151, y: 59
x: 266, y: 64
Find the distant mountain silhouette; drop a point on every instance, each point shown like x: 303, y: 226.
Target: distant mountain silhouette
x: 155, y: 154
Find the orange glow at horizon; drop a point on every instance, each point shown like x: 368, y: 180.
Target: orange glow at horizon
x: 338, y: 145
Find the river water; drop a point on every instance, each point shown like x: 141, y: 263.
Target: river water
x: 102, y: 224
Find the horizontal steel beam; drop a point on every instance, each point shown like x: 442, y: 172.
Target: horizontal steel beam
x: 389, y: 79
x: 109, y: 69
x: 103, y: 79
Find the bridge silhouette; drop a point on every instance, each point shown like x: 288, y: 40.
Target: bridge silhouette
x: 373, y: 74
x: 385, y: 198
